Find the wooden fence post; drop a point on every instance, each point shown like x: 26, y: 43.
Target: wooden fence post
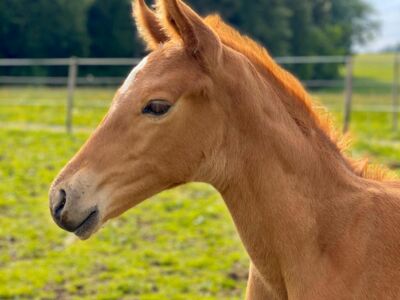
x: 395, y: 90
x: 72, y: 74
x: 348, y: 94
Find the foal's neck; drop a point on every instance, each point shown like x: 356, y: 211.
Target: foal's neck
x: 289, y: 190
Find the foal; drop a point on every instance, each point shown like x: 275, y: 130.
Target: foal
x: 210, y: 105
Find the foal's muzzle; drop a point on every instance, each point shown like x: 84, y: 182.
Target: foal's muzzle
x: 66, y: 210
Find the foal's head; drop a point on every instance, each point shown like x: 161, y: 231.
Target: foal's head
x: 165, y: 126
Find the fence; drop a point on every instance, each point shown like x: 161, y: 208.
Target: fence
x: 74, y: 63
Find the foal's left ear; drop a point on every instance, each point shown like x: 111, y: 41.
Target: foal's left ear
x: 198, y: 38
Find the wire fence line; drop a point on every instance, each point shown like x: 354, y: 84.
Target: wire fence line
x: 73, y: 80
x: 28, y: 62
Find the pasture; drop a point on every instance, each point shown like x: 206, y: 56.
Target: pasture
x: 179, y: 245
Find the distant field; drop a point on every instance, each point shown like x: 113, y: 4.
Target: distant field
x: 42, y: 105
x: 374, y: 67
x: 178, y: 245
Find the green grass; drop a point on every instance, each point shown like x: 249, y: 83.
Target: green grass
x: 376, y: 67
x: 47, y: 105
x: 180, y: 244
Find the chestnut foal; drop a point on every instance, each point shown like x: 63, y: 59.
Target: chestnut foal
x: 210, y: 105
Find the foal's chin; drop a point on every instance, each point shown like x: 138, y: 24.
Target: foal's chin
x: 87, y: 234
x: 89, y: 228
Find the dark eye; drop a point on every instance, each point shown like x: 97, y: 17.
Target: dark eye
x: 157, y: 107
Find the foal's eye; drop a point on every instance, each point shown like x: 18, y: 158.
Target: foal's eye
x: 157, y: 107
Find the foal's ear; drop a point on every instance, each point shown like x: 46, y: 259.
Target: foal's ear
x: 198, y: 38
x: 148, y: 25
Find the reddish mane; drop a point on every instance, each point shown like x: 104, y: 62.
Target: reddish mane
x: 259, y: 56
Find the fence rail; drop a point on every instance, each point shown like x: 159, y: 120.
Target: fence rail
x: 41, y: 80
x: 73, y: 64
x: 28, y: 62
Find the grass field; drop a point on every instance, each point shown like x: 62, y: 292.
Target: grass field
x: 179, y: 245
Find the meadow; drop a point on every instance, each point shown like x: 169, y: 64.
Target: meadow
x: 180, y: 244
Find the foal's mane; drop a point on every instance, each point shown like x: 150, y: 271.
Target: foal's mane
x: 259, y: 56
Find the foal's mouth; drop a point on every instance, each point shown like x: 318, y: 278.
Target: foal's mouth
x: 88, y: 225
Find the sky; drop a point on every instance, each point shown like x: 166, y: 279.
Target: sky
x: 388, y: 13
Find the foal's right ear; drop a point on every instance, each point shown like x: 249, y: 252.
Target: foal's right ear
x: 148, y: 25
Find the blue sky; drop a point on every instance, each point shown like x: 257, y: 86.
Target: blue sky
x: 388, y: 13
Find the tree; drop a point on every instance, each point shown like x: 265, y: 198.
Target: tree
x: 104, y: 28
x: 42, y: 28
x: 111, y: 29
x: 301, y: 43
x: 327, y: 27
x: 300, y: 28
x: 267, y: 21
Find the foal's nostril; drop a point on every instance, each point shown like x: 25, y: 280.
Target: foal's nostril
x: 62, y: 198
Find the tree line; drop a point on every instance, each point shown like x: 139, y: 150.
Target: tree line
x: 104, y: 28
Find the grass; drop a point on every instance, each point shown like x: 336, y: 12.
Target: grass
x: 376, y: 67
x: 180, y: 244
x: 47, y: 105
